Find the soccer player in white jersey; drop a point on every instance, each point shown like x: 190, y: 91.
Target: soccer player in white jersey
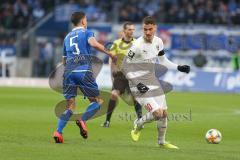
x: 139, y: 68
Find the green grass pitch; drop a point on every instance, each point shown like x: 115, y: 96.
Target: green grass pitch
x: 27, y: 122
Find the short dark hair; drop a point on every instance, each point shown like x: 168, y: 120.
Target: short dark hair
x: 128, y: 23
x: 77, y: 17
x: 149, y: 20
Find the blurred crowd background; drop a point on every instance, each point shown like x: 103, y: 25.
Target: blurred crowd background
x: 34, y: 29
x: 19, y: 14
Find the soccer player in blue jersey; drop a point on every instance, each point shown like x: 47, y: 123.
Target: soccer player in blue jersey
x: 78, y: 73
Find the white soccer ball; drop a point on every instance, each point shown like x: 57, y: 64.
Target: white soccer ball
x: 213, y: 136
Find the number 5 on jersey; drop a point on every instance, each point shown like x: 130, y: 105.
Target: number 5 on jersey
x: 73, y: 43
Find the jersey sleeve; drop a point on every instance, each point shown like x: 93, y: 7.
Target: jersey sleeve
x: 163, y: 59
x: 90, y: 34
x: 166, y: 62
x: 161, y: 45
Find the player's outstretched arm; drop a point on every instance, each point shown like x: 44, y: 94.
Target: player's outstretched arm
x: 98, y: 46
x: 166, y: 62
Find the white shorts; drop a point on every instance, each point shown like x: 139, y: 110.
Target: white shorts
x: 151, y: 104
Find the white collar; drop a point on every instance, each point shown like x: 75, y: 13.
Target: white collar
x: 78, y: 28
x: 149, y: 42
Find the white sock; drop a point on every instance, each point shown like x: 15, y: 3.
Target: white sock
x: 162, y: 128
x: 148, y: 117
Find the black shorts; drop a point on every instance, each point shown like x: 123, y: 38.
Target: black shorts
x: 120, y: 83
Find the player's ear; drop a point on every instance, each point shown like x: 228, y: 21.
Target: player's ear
x: 155, y: 27
x: 84, y: 21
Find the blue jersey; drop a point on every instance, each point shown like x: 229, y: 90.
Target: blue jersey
x: 77, y: 50
x: 78, y: 69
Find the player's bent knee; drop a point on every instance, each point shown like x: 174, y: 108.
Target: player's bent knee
x: 71, y: 104
x: 114, y: 94
x: 113, y: 97
x: 96, y: 99
x: 92, y: 99
x: 164, y: 113
x: 158, y: 114
x: 100, y: 101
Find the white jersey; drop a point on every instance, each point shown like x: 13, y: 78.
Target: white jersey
x: 142, y: 50
x: 139, y: 67
x: 142, y: 58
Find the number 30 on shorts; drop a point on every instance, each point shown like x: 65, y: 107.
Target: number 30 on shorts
x: 148, y: 107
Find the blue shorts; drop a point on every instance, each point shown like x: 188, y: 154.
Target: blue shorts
x: 83, y: 80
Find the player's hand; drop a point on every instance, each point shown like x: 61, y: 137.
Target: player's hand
x: 184, y: 68
x: 114, y: 58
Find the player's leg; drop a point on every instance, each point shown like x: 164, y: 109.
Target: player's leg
x: 162, y: 128
x: 155, y: 107
x: 111, y: 106
x: 89, y: 88
x: 149, y: 117
x: 93, y: 107
x: 150, y: 105
x: 63, y: 120
x: 70, y: 91
x: 65, y: 116
x: 119, y: 85
x: 138, y: 109
x: 154, y: 112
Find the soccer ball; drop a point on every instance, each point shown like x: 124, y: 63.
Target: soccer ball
x: 213, y: 136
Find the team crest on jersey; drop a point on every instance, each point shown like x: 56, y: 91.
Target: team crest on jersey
x: 131, y: 54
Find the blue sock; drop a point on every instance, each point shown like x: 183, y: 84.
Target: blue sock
x: 90, y: 111
x: 64, y: 119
